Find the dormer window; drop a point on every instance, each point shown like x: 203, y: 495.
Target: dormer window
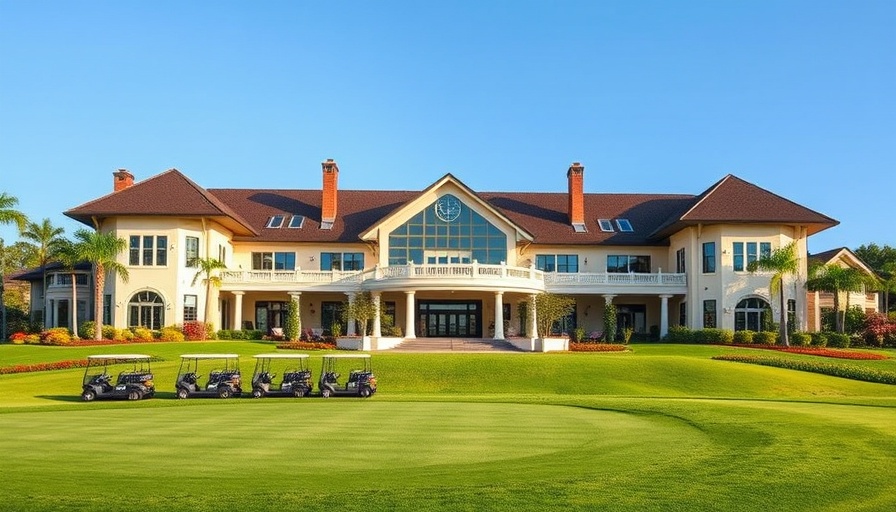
x: 275, y: 222
x: 605, y: 225
x: 624, y: 225
x: 296, y: 221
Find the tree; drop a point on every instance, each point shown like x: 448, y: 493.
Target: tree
x: 65, y: 254
x: 781, y: 262
x: 549, y: 308
x: 292, y: 328
x: 207, y: 268
x: 835, y: 279
x: 9, y: 215
x: 101, y: 250
x: 883, y: 261
x: 47, y: 240
x: 362, y: 308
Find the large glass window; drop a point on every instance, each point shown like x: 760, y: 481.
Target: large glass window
x: 709, y: 257
x: 189, y: 308
x: 107, y: 309
x: 751, y: 314
x: 568, y: 263
x: 342, y: 261
x: 146, y: 309
x: 680, y: 265
x: 748, y: 252
x: 273, y: 261
x: 191, y: 251
x: 447, y: 231
x: 148, y: 250
x: 709, y: 314
x: 625, y: 264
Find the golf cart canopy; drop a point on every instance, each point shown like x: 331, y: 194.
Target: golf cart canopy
x: 281, y: 356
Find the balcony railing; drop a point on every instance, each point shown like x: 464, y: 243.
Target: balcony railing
x: 460, y: 273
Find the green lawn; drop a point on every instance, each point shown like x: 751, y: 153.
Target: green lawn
x: 662, y: 427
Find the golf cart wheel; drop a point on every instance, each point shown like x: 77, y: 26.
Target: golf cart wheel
x: 224, y: 392
x: 182, y: 393
x: 325, y: 393
x: 299, y: 392
x: 88, y: 395
x: 365, y: 392
x: 256, y: 393
x: 134, y: 395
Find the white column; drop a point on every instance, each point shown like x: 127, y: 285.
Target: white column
x: 664, y: 315
x: 349, y: 321
x: 409, y: 316
x: 297, y: 298
x: 499, y: 315
x: 238, y: 310
x: 377, y: 325
x: 533, y: 319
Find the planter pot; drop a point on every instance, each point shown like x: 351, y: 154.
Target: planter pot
x: 552, y: 344
x: 353, y: 343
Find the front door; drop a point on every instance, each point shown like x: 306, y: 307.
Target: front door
x: 462, y: 319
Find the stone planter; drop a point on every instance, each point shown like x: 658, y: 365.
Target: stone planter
x: 354, y: 343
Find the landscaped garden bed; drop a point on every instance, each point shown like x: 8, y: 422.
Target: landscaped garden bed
x: 836, y: 370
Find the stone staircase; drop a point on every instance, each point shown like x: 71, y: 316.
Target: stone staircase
x: 454, y: 345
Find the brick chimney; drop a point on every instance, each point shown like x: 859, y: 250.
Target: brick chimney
x: 576, y: 177
x: 329, y: 201
x: 122, y: 179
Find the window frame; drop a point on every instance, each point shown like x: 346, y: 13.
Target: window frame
x: 709, y: 258
x: 624, y: 226
x: 606, y: 225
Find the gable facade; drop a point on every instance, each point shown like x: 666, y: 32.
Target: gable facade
x: 447, y: 260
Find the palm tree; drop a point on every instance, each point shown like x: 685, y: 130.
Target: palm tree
x: 207, y: 267
x: 781, y: 262
x: 65, y: 255
x: 102, y: 250
x: 9, y: 215
x: 46, y: 238
x: 835, y: 279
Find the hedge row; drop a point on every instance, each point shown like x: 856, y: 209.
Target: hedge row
x: 835, y: 370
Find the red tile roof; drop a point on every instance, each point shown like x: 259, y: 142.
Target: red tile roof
x: 543, y: 215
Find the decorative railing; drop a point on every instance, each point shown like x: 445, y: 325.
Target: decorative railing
x: 455, y: 273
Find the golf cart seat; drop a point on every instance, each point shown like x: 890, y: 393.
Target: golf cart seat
x: 331, y: 378
x: 266, y: 378
x: 190, y: 378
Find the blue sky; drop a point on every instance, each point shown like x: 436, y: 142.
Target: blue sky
x: 798, y: 97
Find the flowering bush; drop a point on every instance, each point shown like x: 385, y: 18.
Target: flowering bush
x: 142, y: 334
x: 306, y: 345
x: 39, y: 367
x: 596, y: 347
x: 18, y: 338
x: 195, y: 331
x: 879, y: 330
x: 171, y: 334
x: 835, y: 370
x: 55, y: 336
x: 821, y: 352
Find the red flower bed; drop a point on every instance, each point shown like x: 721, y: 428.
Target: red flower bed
x: 42, y: 367
x: 306, y: 345
x: 820, y: 351
x: 92, y: 343
x: 596, y: 347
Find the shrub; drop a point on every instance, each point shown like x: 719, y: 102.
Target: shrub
x: 109, y: 332
x: 877, y: 329
x: 394, y: 331
x: 838, y: 340
x: 679, y: 334
x: 833, y: 369
x: 123, y: 335
x: 88, y: 329
x: 801, y: 339
x: 56, y: 336
x: 171, y: 334
x: 744, y: 337
x: 225, y: 334
x: 194, y: 331
x: 765, y: 338
x: 32, y: 339
x: 713, y: 335
x: 578, y: 334
x: 250, y: 334
x: 819, y: 339
x: 142, y: 334
x: 610, y: 323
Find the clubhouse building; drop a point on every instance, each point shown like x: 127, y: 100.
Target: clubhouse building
x: 446, y: 261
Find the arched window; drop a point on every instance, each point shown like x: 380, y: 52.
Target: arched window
x: 146, y: 309
x: 447, y: 231
x: 752, y: 314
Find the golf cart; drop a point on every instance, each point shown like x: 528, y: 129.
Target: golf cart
x: 223, y: 376
x: 132, y: 383
x: 296, y: 380
x: 361, y: 381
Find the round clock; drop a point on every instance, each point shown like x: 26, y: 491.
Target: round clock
x: 448, y: 208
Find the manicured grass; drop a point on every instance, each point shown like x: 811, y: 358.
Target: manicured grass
x: 660, y: 428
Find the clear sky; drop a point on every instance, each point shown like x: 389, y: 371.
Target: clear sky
x: 798, y: 97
